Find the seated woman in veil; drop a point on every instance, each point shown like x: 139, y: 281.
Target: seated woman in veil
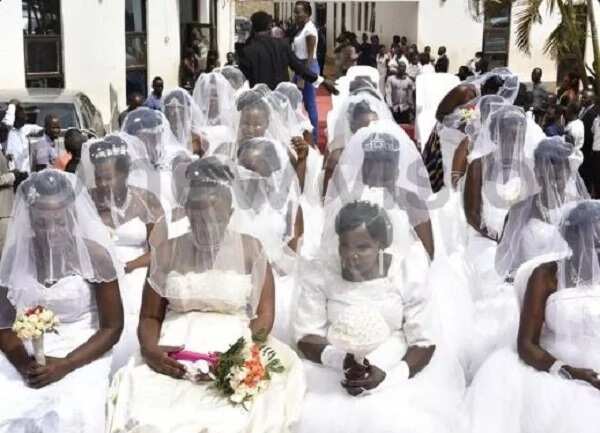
x: 113, y: 171
x: 552, y: 377
x: 408, y: 383
x: 208, y: 286
x: 58, y: 255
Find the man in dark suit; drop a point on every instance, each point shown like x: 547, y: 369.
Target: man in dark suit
x: 265, y: 59
x: 587, y: 172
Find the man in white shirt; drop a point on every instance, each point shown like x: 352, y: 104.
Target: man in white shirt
x: 426, y: 66
x: 574, y: 131
x: 17, y: 144
x: 399, y: 92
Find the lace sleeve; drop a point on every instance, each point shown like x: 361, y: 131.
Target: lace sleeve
x: 415, y: 295
x: 311, y: 309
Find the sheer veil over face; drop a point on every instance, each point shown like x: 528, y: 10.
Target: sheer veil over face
x: 59, y: 234
x: 216, y: 100
x: 183, y: 115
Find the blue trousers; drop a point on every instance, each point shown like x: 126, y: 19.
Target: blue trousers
x: 309, y: 94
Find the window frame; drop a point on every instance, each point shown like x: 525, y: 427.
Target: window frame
x: 491, y: 31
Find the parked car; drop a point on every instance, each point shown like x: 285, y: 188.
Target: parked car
x: 74, y: 109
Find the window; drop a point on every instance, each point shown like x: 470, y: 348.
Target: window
x: 373, y: 18
x: 343, y: 17
x: 136, y: 52
x: 366, y: 16
x: 496, y: 32
x: 358, y: 24
x: 42, y: 43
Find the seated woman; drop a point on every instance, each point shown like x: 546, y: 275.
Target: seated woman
x: 552, y: 377
x: 534, y: 222
x: 409, y: 385
x: 129, y: 210
x: 208, y: 286
x: 58, y: 255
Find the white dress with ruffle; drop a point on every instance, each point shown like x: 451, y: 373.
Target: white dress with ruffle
x: 210, y: 320
x: 76, y: 403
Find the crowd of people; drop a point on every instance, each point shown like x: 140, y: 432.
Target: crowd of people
x: 390, y: 303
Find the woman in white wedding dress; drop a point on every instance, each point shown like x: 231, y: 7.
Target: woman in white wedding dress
x: 208, y: 286
x: 551, y: 384
x: 236, y: 78
x: 183, y: 115
x: 58, y: 255
x: 129, y: 210
x: 408, y: 384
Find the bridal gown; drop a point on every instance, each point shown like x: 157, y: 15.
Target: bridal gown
x: 508, y: 396
x: 211, y: 319
x: 429, y: 402
x: 76, y: 403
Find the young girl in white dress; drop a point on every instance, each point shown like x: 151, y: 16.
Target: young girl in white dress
x: 552, y: 379
x: 208, y: 286
x: 129, y: 210
x: 58, y: 255
x: 407, y: 384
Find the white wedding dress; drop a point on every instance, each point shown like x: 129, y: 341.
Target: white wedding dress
x: 130, y: 243
x: 211, y: 320
x: 427, y: 403
x: 76, y: 403
x: 507, y: 396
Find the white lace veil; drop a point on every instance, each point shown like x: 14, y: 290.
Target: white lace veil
x: 532, y: 227
x: 198, y: 249
x: 183, y: 115
x: 267, y: 194
x: 216, y: 100
x: 581, y: 231
x: 234, y: 75
x: 500, y: 81
x: 120, y: 179
x: 56, y: 233
x: 356, y: 112
x: 295, y: 98
x: 154, y: 131
x: 286, y: 117
x: 382, y: 157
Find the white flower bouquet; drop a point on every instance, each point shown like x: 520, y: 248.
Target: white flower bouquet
x: 358, y: 330
x: 32, y: 324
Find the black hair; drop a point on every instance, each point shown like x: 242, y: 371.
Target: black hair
x: 142, y: 118
x: 261, y: 21
x: 74, y: 135
x: 507, y: 116
x: 553, y: 150
x: 360, y: 82
x: 157, y: 78
x: 486, y: 104
x: 266, y: 148
x: 252, y: 99
x: 49, y: 118
x: 358, y: 109
x: 443, y: 48
x: 134, y: 94
x: 111, y: 147
x: 586, y: 212
x: 492, y: 85
x: 48, y: 186
x: 292, y: 93
x: 206, y: 170
x: 235, y: 77
x: 306, y: 6
x: 424, y: 58
x: 176, y: 94
x: 523, y: 97
x: 374, y: 218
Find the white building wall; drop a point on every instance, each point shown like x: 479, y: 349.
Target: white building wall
x: 225, y: 28
x: 397, y: 18
x: 12, y: 57
x: 163, y: 41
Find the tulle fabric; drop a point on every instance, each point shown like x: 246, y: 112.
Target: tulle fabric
x: 216, y: 100
x: 183, y: 114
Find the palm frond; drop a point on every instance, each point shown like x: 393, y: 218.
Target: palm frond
x: 527, y: 14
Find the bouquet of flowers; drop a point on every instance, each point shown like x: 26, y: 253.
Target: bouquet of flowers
x: 32, y: 324
x: 358, y: 330
x: 240, y: 373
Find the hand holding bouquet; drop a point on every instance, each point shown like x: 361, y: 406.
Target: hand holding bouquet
x: 32, y: 324
x: 240, y: 373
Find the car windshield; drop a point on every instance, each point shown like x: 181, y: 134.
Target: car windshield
x: 36, y: 113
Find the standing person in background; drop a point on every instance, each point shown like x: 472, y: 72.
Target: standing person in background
x: 425, y: 63
x: 569, y: 89
x: 305, y: 47
x: 464, y: 72
x: 552, y: 125
x: 587, y: 101
x: 136, y: 100
x: 539, y: 95
x: 364, y: 51
x: 395, y: 43
x: 591, y: 146
x: 574, y: 129
x: 346, y: 58
x: 442, y: 63
x: 188, y: 70
x: 44, y: 152
x: 230, y: 59
x: 383, y: 58
x: 322, y: 48
x: 155, y: 97
x: 414, y: 68
x: 399, y: 91
x: 17, y: 142
x: 74, y: 140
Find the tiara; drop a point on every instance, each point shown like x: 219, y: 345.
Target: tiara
x: 109, y: 152
x: 377, y: 143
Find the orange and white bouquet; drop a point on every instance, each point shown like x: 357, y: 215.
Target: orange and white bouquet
x: 32, y: 324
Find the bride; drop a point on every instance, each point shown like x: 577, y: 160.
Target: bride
x: 552, y: 379
x: 58, y: 256
x: 109, y: 167
x: 409, y: 384
x: 208, y: 285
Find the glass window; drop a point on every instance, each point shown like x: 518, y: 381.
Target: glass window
x: 496, y: 32
x: 136, y: 50
x: 42, y: 43
x: 135, y: 16
x: 359, y: 24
